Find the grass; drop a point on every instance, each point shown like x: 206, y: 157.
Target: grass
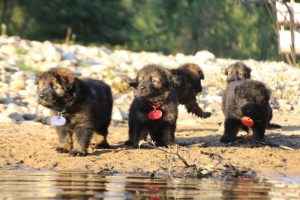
x: 21, y: 51
x: 27, y: 68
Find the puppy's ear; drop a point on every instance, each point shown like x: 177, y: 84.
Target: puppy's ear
x: 68, y: 81
x: 248, y: 72
x: 201, y: 74
x: 131, y: 82
x: 226, y: 71
x: 38, y: 77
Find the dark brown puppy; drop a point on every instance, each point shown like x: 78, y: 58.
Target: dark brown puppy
x: 154, y: 108
x: 187, y: 80
x: 240, y: 71
x: 86, y: 104
x: 245, y: 98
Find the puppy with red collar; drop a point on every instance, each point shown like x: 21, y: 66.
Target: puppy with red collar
x: 154, y: 108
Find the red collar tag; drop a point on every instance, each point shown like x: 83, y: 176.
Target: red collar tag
x: 155, y: 114
x: 247, y: 121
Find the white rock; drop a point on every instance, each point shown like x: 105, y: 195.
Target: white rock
x: 205, y: 56
x: 116, y: 114
x: 50, y: 52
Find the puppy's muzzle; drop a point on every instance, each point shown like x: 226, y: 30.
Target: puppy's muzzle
x: 43, y: 95
x: 143, y: 89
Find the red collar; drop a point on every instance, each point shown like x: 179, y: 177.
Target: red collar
x: 155, y: 107
x: 155, y: 114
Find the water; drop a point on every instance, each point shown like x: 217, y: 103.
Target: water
x: 53, y: 185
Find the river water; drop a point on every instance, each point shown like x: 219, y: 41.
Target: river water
x: 28, y: 184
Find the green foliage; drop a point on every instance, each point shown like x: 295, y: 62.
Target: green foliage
x: 3, y: 29
x: 221, y: 26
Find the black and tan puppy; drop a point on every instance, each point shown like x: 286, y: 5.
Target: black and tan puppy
x: 240, y: 71
x: 154, y: 108
x: 86, y: 104
x: 245, y: 105
x: 187, y: 79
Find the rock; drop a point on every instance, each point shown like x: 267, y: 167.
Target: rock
x: 50, y: 53
x: 29, y: 116
x: 17, y: 85
x: 116, y: 114
x: 69, y: 56
x: 205, y: 56
x: 16, y: 117
x: 33, y: 57
x: 5, y: 119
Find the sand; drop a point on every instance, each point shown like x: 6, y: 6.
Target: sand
x: 32, y: 145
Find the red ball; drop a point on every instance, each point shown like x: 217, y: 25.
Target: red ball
x: 247, y: 121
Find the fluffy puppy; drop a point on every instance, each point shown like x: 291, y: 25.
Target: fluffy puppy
x: 187, y: 79
x: 237, y: 71
x: 240, y: 71
x: 245, y: 98
x: 86, y: 104
x: 154, y: 108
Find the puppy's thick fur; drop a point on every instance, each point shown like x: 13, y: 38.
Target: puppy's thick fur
x: 85, y: 103
x: 240, y: 71
x: 245, y: 98
x: 153, y: 86
x: 187, y: 80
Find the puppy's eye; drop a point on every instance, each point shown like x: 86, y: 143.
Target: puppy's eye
x: 54, y: 87
x: 154, y: 80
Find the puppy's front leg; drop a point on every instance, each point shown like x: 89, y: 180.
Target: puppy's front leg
x: 165, y: 135
x: 65, y: 140
x: 259, y: 131
x: 81, y: 141
x: 139, y: 133
x: 231, y: 128
x: 193, y: 107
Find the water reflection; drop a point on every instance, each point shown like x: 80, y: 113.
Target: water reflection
x: 53, y: 185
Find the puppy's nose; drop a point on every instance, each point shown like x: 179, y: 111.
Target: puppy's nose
x: 41, y: 95
x: 142, y: 87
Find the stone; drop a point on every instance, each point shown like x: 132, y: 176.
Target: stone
x: 5, y: 118
x: 50, y: 53
x: 205, y: 56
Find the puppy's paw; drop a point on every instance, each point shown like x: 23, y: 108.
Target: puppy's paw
x: 77, y: 153
x: 128, y: 143
x: 206, y: 114
x: 61, y: 150
x: 102, y: 145
x: 226, y: 140
x: 161, y: 143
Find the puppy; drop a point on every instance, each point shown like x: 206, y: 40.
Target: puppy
x: 245, y: 105
x: 187, y: 79
x: 85, y: 104
x: 237, y: 71
x: 154, y: 108
x: 240, y: 71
